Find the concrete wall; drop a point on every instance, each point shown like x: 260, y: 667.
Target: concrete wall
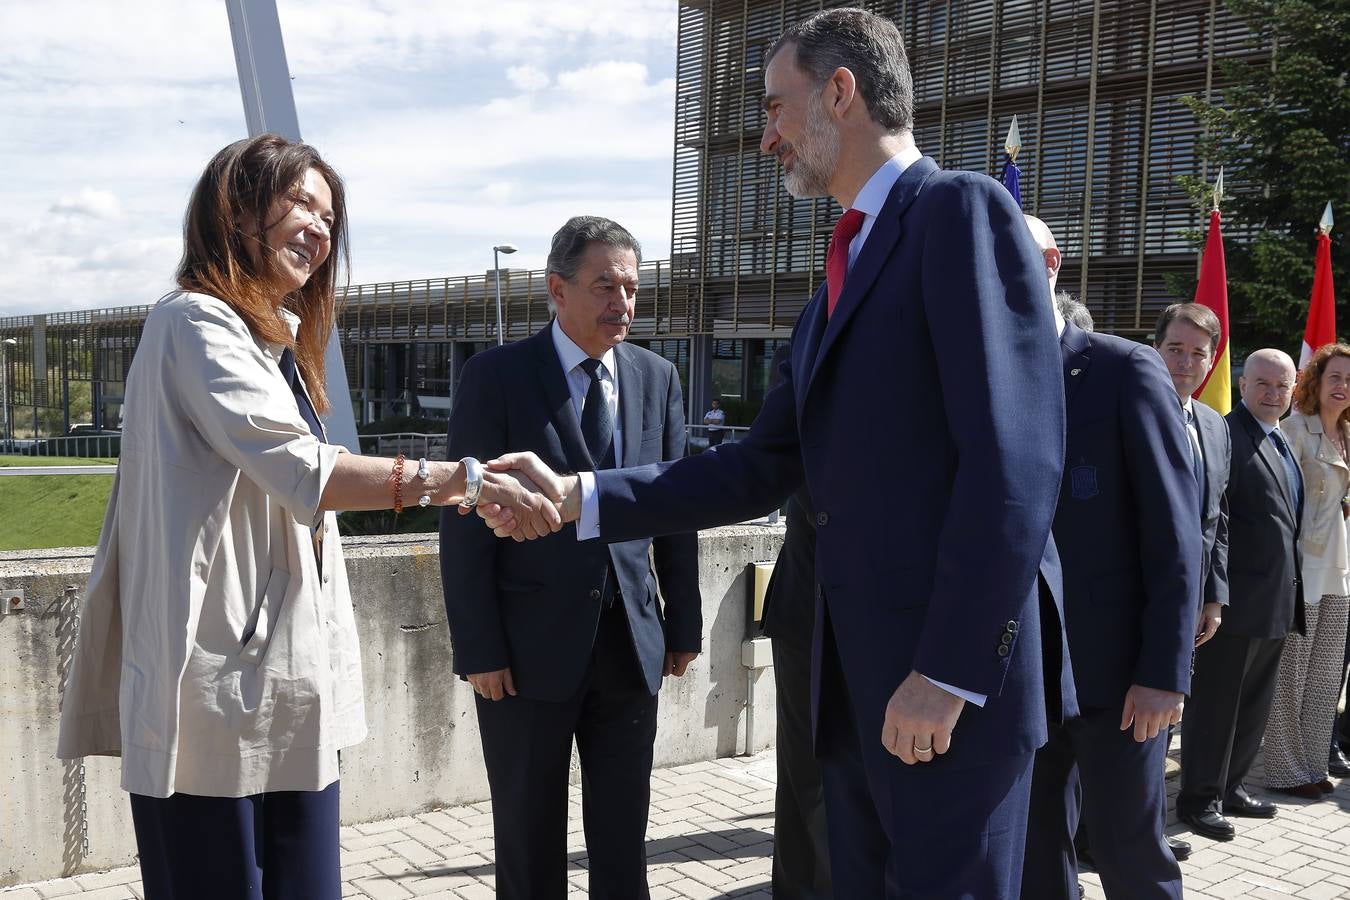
x: 423, y: 750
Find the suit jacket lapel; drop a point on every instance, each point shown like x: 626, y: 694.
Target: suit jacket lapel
x: 881, y: 241
x: 1270, y: 456
x: 632, y: 390
x: 559, y: 400
x: 1076, y: 347
x: 806, y: 346
x: 1211, y: 447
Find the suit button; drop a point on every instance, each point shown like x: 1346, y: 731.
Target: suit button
x: 822, y: 519
x: 1011, y: 627
x: 595, y: 595
x: 1006, y: 639
x: 1003, y: 650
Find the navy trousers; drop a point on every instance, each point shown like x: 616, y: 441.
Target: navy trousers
x: 1124, y: 807
x: 527, y: 748
x: 923, y: 832
x: 281, y: 845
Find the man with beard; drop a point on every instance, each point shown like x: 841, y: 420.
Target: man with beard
x: 562, y: 639
x: 922, y: 405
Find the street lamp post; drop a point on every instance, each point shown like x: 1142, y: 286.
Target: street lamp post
x: 497, y: 271
x: 4, y: 387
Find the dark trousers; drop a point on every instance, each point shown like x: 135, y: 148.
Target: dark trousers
x: 527, y: 746
x: 1231, y: 693
x: 801, y: 850
x: 281, y: 845
x: 923, y: 832
x: 1123, y: 804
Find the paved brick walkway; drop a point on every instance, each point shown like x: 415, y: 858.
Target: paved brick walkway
x: 711, y: 837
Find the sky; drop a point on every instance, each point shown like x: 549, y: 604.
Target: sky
x: 455, y: 125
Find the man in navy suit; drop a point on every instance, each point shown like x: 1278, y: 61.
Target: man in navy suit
x: 1128, y: 531
x: 1187, y: 337
x: 561, y: 638
x: 923, y: 405
x: 1234, y: 683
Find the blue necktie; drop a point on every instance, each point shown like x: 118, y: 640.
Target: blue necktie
x: 597, y: 423
x: 1291, y: 471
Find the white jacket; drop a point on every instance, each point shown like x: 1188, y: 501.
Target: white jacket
x: 217, y: 651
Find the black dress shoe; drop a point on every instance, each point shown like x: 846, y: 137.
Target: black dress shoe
x: 1208, y: 823
x: 1337, y: 764
x: 1244, y: 805
x: 1180, y: 849
x: 1326, y: 786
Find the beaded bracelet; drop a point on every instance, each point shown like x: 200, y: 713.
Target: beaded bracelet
x: 398, y: 484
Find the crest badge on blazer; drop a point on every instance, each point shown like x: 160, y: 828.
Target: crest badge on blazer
x: 1083, y: 482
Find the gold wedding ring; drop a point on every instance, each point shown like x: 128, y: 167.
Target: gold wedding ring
x: 928, y: 749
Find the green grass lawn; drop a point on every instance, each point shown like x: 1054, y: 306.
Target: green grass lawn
x: 40, y: 511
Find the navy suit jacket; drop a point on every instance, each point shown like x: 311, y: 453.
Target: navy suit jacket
x: 1217, y: 447
x: 927, y: 419
x: 1264, y: 568
x: 1128, y: 522
x: 534, y: 606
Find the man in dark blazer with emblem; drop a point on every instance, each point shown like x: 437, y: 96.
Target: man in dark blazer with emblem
x: 1128, y: 532
x: 923, y: 406
x: 562, y: 638
x: 1234, y: 682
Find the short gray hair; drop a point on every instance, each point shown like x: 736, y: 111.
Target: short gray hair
x: 570, y: 243
x: 866, y: 44
x: 1073, y: 311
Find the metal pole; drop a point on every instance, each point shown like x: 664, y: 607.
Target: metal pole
x: 497, y: 272
x: 4, y: 386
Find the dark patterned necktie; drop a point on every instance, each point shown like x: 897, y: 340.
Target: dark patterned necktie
x: 1291, y: 472
x: 1197, y: 457
x: 597, y: 423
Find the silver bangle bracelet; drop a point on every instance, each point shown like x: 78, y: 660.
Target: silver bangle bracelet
x: 423, y: 472
x: 473, y: 481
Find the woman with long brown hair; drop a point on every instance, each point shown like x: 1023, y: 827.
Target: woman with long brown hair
x: 218, y: 650
x: 1298, y: 731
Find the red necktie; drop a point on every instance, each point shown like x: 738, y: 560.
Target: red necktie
x: 836, y: 260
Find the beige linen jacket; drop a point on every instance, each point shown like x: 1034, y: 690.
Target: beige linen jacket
x: 217, y: 651
x: 1326, y: 480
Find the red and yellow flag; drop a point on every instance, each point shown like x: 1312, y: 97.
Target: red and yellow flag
x: 1322, y: 309
x: 1212, y: 291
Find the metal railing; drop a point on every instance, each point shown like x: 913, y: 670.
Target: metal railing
x: 410, y: 443
x: 89, y: 446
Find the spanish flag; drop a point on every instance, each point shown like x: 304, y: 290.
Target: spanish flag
x: 1322, y: 309
x: 1212, y: 291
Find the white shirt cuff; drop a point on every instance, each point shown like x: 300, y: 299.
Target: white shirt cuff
x: 977, y: 699
x: 588, y: 525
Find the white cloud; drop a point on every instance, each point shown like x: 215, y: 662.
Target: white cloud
x: 527, y: 78
x: 90, y: 203
x: 455, y: 124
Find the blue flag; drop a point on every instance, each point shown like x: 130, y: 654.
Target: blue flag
x: 1012, y: 179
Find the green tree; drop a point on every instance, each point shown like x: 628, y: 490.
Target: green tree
x: 1281, y: 130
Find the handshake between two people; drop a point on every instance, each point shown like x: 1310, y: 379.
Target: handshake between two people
x: 524, y: 499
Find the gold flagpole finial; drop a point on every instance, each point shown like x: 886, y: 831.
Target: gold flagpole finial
x: 1324, y: 226
x: 1218, y: 188
x: 1013, y: 142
